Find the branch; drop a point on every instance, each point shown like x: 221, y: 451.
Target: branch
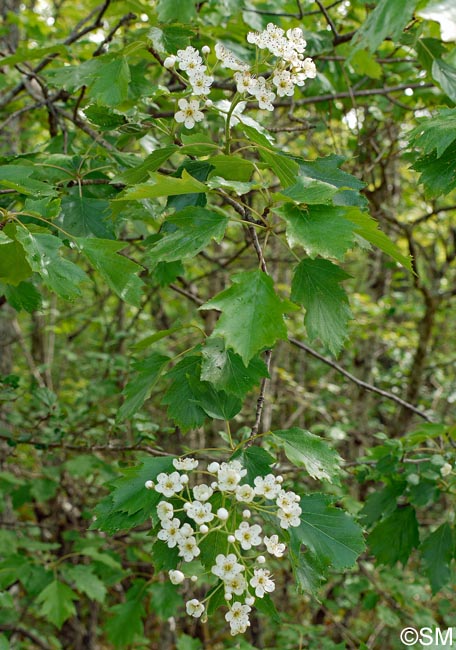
x: 27, y: 634
x: 354, y: 93
x: 359, y: 382
x: 85, y: 448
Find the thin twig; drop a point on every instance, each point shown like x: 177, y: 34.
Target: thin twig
x: 359, y: 382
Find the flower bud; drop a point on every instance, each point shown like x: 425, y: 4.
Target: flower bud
x: 208, y: 103
x: 261, y: 559
x: 194, y: 578
x: 231, y: 539
x: 184, y: 478
x: 204, y: 529
x: 228, y: 596
x: 205, y: 49
x: 250, y: 600
x: 169, y: 62
x: 246, y: 514
x: 149, y: 485
x: 176, y: 577
x: 222, y: 514
x: 213, y: 467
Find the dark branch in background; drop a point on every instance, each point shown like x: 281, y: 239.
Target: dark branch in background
x: 113, y: 449
x: 77, y: 33
x: 354, y: 93
x: 123, y: 21
x: 337, y: 38
x: 359, y: 382
x: 26, y: 634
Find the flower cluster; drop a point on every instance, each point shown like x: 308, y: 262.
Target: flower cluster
x: 189, y: 512
x: 290, y: 69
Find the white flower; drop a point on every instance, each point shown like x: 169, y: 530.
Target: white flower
x: 176, y: 577
x: 237, y: 584
x: 267, y: 487
x: 262, y: 582
x: 247, y: 535
x: 308, y: 67
x: 170, y: 532
x: 165, y: 510
x: 202, y: 492
x: 189, y: 113
x: 194, y: 608
x: 201, y: 513
x: 243, y: 80
x: 169, y: 484
x: 188, y: 548
x: 296, y: 37
x: 226, y: 566
x: 287, y: 519
x: 186, y: 464
x: 229, y: 475
x: 238, y: 617
x: 273, y: 545
x: 228, y: 479
x: 265, y: 100
x: 288, y: 501
x: 245, y: 493
x: 189, y: 59
x: 283, y: 82
x: 228, y: 59
x: 446, y: 469
x: 201, y: 83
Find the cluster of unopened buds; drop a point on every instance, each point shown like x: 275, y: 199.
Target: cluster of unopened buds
x: 290, y: 69
x: 188, y: 514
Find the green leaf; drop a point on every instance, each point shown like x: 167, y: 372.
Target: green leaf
x: 176, y: 10
x: 198, y: 144
x: 309, y: 571
x: 118, y: 271
x: 57, y: 603
x: 58, y: 274
x: 257, y: 461
x: 216, y: 404
x: 252, y: 314
x: 363, y: 63
x: 14, y: 267
x: 110, y: 79
x: 185, y: 642
x: 161, y: 185
x: 368, y: 228
x: 438, y: 174
x: 267, y: 607
x: 393, y: 539
x: 85, y: 581
x: 213, y: 544
x: 437, y: 551
x: 284, y: 167
x: 195, y: 228
x: 225, y: 370
x: 388, y: 19
x: 165, y: 558
x: 435, y: 134
x: 24, y: 296
x: 83, y: 216
x: 233, y: 168
x: 320, y: 230
x: 104, y: 117
x: 304, y: 449
x: 126, y: 621
x: 309, y: 191
x: 381, y: 502
x: 165, y: 600
x: 130, y: 503
x: 330, y: 533
x: 445, y: 75
x: 180, y: 397
x: 315, y: 285
x: 139, y: 388
x: 150, y: 164
x: 18, y: 177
